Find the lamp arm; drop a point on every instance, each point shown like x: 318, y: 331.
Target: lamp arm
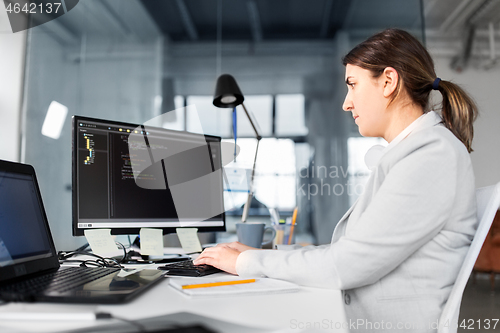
x: 251, y: 123
x: 253, y: 168
x: 246, y: 208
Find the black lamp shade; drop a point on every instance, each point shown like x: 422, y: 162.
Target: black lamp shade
x: 227, y: 93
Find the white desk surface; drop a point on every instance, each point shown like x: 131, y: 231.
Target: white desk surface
x: 308, y: 310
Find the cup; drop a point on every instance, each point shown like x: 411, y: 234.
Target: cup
x: 252, y: 234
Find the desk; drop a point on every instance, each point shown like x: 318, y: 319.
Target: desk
x: 319, y: 309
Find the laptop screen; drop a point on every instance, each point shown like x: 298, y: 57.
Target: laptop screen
x: 23, y: 235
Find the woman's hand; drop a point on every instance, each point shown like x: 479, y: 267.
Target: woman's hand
x: 238, y: 246
x: 223, y: 256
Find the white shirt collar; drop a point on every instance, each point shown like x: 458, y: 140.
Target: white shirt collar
x: 375, y: 153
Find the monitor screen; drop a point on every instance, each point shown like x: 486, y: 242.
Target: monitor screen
x: 23, y: 232
x: 127, y: 177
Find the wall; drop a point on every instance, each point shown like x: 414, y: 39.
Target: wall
x: 96, y: 75
x: 270, y: 68
x: 482, y: 85
x: 11, y: 80
x: 328, y: 133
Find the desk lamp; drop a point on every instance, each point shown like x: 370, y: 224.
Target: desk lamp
x: 228, y: 95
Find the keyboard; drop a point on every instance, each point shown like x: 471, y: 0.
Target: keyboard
x: 187, y: 268
x: 60, y: 281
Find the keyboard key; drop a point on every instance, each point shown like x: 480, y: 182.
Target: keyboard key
x: 60, y: 281
x: 187, y: 268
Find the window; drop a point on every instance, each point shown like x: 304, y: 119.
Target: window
x: 261, y: 107
x: 275, y: 173
x: 175, y: 119
x: 290, y: 115
x: 208, y: 119
x: 275, y: 176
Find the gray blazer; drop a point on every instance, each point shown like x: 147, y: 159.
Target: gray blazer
x: 397, y: 251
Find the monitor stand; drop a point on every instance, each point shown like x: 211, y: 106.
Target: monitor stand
x: 135, y: 257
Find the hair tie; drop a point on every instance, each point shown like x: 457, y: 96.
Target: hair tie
x: 435, y: 85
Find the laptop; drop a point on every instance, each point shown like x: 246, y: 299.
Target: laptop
x: 29, y: 265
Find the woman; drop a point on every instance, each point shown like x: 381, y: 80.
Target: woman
x: 396, y: 253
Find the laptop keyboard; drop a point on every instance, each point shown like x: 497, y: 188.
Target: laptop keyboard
x: 59, y: 281
x: 187, y: 268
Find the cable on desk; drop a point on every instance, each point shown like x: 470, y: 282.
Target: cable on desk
x: 99, y: 262
x: 124, y: 252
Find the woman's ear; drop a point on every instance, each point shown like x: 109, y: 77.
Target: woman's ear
x: 391, y: 78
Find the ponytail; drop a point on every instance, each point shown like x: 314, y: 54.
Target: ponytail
x: 458, y: 111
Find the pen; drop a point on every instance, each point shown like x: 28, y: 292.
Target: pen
x: 294, y: 218
x: 216, y: 284
x: 280, y: 233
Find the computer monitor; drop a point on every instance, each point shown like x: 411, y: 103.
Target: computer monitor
x: 127, y: 177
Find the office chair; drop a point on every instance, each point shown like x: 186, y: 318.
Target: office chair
x: 488, y: 202
x: 488, y: 260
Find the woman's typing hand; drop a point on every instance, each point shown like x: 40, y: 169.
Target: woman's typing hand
x: 223, y: 256
x: 238, y: 246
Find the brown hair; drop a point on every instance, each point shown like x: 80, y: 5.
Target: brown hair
x: 398, y: 49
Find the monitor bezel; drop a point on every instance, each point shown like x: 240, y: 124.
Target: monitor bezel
x: 123, y: 231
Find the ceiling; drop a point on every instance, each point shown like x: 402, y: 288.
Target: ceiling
x: 466, y: 30
x: 451, y: 16
x: 463, y: 29
x: 283, y: 20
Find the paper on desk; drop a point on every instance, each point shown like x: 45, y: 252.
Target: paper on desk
x: 262, y: 286
x: 101, y: 242
x: 151, y: 241
x: 189, y: 239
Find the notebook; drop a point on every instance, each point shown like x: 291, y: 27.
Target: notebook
x: 29, y: 265
x: 261, y: 286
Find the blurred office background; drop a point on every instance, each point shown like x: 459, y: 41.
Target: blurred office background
x: 136, y: 59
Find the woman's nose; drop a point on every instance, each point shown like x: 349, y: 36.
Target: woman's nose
x: 347, y: 106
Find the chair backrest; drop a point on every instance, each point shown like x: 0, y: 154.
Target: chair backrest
x: 488, y: 202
